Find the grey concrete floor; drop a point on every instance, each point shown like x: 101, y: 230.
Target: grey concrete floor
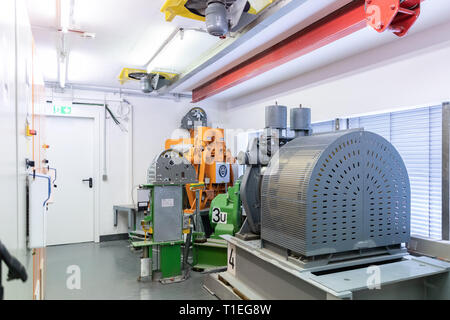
x: 109, y: 270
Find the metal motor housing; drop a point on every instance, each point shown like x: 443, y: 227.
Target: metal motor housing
x: 335, y: 192
x: 276, y: 117
x: 216, y: 18
x: 146, y: 84
x: 301, y: 121
x: 171, y: 167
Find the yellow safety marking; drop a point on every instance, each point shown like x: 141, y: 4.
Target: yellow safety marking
x: 124, y: 74
x: 173, y: 8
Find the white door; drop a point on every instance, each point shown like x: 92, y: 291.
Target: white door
x: 70, y: 219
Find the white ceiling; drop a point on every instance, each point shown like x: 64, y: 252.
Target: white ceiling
x: 129, y: 32
x: 303, y: 14
x: 433, y: 13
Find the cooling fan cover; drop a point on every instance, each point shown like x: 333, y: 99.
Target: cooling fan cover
x: 336, y: 192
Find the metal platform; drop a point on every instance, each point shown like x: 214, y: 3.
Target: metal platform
x: 262, y: 274
x: 130, y: 210
x: 133, y: 215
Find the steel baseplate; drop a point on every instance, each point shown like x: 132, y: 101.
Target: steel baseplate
x: 259, y: 273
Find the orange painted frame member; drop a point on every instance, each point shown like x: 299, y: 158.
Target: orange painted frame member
x: 208, y: 149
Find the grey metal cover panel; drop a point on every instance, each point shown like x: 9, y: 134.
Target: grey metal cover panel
x: 168, y: 211
x: 336, y: 192
x: 171, y: 167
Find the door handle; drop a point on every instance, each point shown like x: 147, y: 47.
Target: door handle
x: 90, y: 182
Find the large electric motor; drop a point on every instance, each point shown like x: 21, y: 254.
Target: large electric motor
x: 335, y: 192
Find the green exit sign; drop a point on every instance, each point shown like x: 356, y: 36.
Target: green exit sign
x: 62, y: 110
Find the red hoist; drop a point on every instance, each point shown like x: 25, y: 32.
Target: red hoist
x: 397, y: 16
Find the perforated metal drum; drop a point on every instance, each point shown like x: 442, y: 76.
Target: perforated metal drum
x: 336, y: 192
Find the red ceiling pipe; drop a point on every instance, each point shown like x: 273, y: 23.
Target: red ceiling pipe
x: 335, y: 26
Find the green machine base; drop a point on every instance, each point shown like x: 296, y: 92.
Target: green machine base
x: 211, y: 254
x: 225, y: 219
x: 169, y: 258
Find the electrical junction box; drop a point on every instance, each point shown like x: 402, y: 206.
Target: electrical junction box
x: 220, y: 172
x: 143, y: 199
x: 167, y: 212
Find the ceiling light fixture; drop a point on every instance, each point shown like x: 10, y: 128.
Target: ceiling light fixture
x: 149, y: 64
x: 62, y: 70
x: 65, y: 19
x: 65, y: 13
x: 177, y: 45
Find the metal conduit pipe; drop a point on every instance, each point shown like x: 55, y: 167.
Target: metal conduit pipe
x: 128, y: 92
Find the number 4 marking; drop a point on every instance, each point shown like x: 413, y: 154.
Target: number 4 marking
x: 231, y: 259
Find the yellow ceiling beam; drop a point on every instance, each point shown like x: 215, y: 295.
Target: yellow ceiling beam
x: 124, y: 74
x: 256, y: 6
x: 173, y: 8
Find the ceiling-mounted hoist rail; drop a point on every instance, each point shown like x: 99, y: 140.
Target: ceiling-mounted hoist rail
x: 394, y: 15
x: 397, y: 16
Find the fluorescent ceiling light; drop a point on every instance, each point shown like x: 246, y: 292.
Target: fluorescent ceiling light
x: 149, y: 43
x: 179, y: 53
x: 62, y: 71
x: 65, y: 14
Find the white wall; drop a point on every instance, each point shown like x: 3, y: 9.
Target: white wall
x: 16, y: 80
x: 8, y: 160
x: 421, y: 80
x: 129, y: 154
x: 409, y: 72
x: 15, y: 103
x: 24, y: 78
x: 118, y: 165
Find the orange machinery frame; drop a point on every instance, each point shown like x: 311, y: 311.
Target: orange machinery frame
x: 208, y: 148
